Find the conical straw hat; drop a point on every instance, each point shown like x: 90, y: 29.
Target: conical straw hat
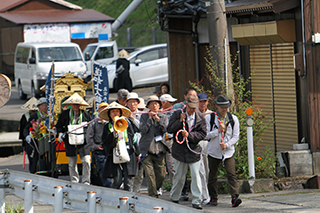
x: 114, y: 105
x: 31, y: 104
x: 123, y: 54
x: 75, y: 99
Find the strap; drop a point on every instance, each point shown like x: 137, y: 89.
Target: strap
x: 212, y: 117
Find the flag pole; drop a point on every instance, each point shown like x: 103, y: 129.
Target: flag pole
x: 94, y: 100
x: 50, y: 98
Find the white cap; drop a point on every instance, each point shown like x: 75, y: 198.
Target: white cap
x: 167, y: 97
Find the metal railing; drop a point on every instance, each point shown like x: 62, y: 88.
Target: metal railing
x: 87, y: 198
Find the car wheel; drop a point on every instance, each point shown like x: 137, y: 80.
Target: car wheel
x: 22, y: 96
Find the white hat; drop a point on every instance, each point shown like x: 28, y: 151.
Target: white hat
x: 133, y: 95
x: 41, y: 101
x: 75, y: 99
x: 167, y: 97
x: 31, y: 104
x: 141, y: 104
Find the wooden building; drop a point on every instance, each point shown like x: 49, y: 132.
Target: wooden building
x: 269, y: 37
x: 43, y: 20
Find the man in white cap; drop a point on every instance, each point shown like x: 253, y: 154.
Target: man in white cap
x: 75, y: 116
x: 167, y: 102
x: 95, y: 142
x: 33, y: 154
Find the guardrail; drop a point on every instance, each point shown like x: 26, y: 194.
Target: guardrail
x: 77, y: 196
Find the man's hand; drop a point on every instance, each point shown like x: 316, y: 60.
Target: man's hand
x: 223, y: 145
x: 61, y: 137
x: 184, y: 133
x: 99, y: 147
x: 138, y: 159
x: 154, y: 115
x: 221, y: 127
x: 182, y: 116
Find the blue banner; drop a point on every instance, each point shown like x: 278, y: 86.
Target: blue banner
x: 101, y: 85
x: 48, y: 91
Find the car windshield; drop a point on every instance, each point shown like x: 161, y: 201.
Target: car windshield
x: 90, y: 50
x: 59, y: 54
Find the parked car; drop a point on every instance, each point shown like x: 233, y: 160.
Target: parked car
x: 148, y: 65
x: 33, y: 62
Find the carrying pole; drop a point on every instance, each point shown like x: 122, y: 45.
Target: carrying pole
x: 50, y: 98
x: 94, y: 100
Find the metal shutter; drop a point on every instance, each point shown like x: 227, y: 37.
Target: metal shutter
x: 281, y: 104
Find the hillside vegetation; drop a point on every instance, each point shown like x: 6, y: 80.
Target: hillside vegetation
x: 140, y: 21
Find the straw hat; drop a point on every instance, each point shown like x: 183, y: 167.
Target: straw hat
x: 75, y: 99
x: 114, y: 105
x: 123, y: 54
x: 31, y: 104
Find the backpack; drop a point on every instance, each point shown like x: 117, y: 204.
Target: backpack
x: 213, y: 116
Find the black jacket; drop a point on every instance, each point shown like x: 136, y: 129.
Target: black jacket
x: 180, y: 151
x: 62, y: 126
x: 109, y: 143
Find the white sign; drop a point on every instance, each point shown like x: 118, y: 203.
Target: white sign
x: 102, y: 31
x: 47, y: 33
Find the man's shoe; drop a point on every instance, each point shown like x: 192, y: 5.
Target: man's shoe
x: 184, y: 196
x: 175, y: 201
x: 214, y: 202
x: 196, y: 206
x: 236, y: 201
x: 206, y: 201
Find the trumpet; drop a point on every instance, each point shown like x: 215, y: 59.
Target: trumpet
x: 120, y: 124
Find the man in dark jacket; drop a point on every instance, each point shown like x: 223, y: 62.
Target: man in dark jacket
x: 75, y: 116
x: 188, y: 125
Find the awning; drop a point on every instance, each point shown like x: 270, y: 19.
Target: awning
x: 56, y: 16
x: 265, y: 32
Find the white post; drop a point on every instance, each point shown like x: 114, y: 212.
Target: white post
x: 58, y: 199
x: 250, y: 152
x: 250, y: 144
x: 28, y: 197
x: 124, y: 206
x: 91, y: 198
x: 157, y: 209
x: 2, y: 194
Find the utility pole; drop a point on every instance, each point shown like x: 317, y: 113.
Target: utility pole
x: 219, y: 42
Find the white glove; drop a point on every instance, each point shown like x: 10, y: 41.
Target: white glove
x: 61, y: 137
x: 28, y: 138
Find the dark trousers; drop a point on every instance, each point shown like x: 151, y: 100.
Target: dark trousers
x: 213, y: 176
x: 33, y: 157
x: 122, y: 172
x: 100, y: 160
x: 155, y: 171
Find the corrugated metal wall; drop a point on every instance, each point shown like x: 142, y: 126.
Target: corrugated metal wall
x: 273, y: 86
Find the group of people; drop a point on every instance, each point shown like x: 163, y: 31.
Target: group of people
x: 159, y: 136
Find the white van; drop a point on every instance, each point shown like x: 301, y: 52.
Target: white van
x: 33, y: 62
x: 102, y: 52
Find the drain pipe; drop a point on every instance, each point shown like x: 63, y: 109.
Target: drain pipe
x: 303, y: 42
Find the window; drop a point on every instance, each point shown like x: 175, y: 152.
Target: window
x: 59, y: 54
x: 22, y: 54
x: 149, y: 55
x: 104, y: 52
x: 90, y: 50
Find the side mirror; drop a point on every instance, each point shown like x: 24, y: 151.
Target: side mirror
x: 87, y: 56
x: 137, y: 62
x: 32, y: 60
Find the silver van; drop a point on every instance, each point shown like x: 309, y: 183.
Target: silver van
x: 33, y: 62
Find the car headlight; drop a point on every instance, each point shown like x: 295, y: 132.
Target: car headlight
x: 40, y: 75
